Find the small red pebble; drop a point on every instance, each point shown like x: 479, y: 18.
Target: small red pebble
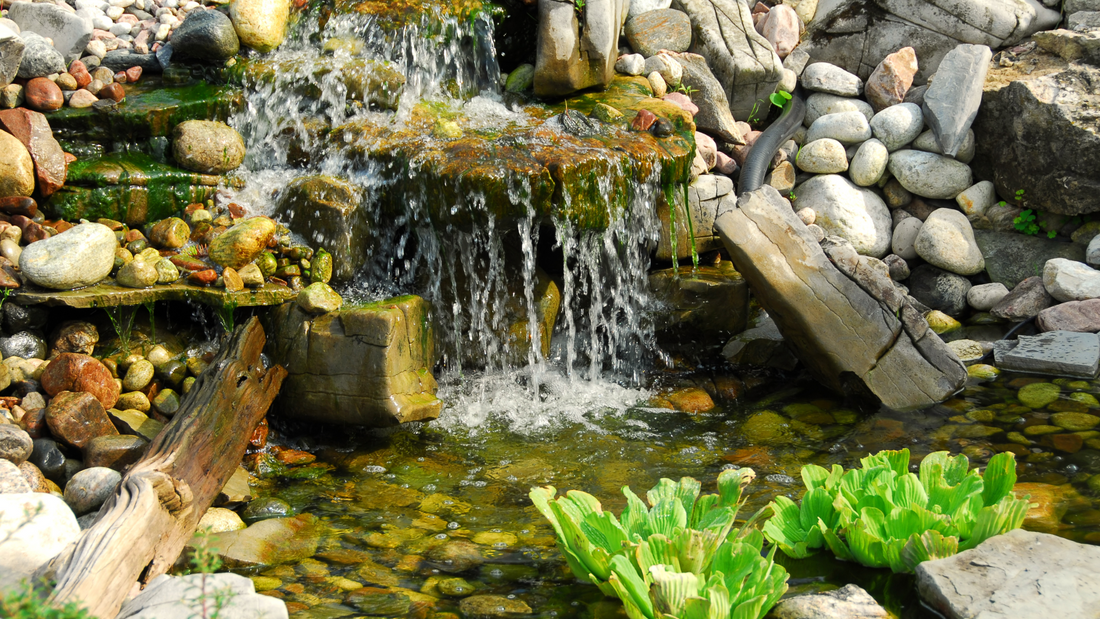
x: 644, y: 120
x: 112, y: 91
x: 236, y: 211
x: 19, y: 205
x: 133, y: 74
x: 133, y: 235
x: 203, y: 278
x: 80, y: 71
x: 120, y: 77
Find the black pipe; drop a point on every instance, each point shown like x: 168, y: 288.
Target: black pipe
x: 762, y: 152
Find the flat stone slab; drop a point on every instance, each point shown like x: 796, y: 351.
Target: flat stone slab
x: 1061, y: 353
x: 106, y: 294
x: 1018, y: 574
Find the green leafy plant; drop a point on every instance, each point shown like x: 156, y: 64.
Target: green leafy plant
x: 1025, y: 222
x: 205, y: 561
x: 780, y: 98
x: 674, y: 558
x: 882, y: 515
x: 685, y: 89
x: 25, y: 601
x: 122, y: 319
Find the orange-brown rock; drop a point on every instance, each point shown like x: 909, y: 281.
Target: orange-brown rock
x: 891, y: 79
x: 33, y: 130
x: 43, y: 95
x: 76, y: 418
x: 77, y: 372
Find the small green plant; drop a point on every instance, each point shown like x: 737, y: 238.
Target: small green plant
x: 205, y: 561
x: 227, y: 315
x: 676, y: 558
x: 780, y: 98
x: 882, y: 515
x: 1025, y: 222
x: 122, y: 319
x: 753, y: 118
x: 578, y: 6
x: 685, y: 89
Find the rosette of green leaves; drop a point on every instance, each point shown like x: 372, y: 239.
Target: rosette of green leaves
x: 882, y: 515
x: 673, y: 557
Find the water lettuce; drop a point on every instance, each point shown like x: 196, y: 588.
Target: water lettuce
x: 676, y: 557
x: 882, y: 515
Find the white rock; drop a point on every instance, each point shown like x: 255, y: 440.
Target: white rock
x: 1069, y: 280
x: 927, y: 141
x: 821, y: 103
x: 102, y: 22
x: 171, y: 597
x: 946, y: 240
x: 220, y: 520
x: 825, y: 77
x: 848, y: 211
x: 1092, y: 254
x: 34, y: 527
x: 977, y: 199
x: 96, y: 48
x: 658, y: 84
x: 898, y: 125
x: 825, y: 156
x: 637, y: 7
x: 929, y: 175
x: 115, y: 12
x: 869, y: 163
x: 79, y: 256
x: 985, y: 296
x: 670, y: 70
x: 631, y: 64
x: 905, y: 235
x: 845, y: 127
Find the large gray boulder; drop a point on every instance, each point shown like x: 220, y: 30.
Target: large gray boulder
x: 848, y: 323
x: 714, y: 115
x: 1011, y: 257
x: 1018, y: 574
x: 951, y: 101
x: 182, y: 597
x: 570, y: 57
x: 1037, y: 132
x: 849, y: 211
x: 742, y: 60
x: 70, y: 33
x: 11, y: 54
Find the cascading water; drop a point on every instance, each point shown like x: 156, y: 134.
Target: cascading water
x: 327, y: 103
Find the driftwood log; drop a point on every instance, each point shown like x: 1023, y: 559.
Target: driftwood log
x: 142, y: 529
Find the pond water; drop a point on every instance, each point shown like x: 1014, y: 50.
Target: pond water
x: 395, y: 502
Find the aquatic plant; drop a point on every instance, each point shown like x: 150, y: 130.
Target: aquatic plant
x: 675, y: 558
x: 882, y: 515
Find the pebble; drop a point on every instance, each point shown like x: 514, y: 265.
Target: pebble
x: 90, y: 488
x: 1069, y: 280
x: 16, y: 445
x: 869, y: 163
x: 116, y: 452
x: 43, y: 95
x: 319, y: 298
x: 630, y: 64
x: 11, y: 479
x: 946, y: 240
x: 929, y: 175
x: 824, y: 156
x: 82, y: 98
x: 83, y: 373
x: 167, y: 402
x: 985, y: 297
x: 76, y: 418
x: 139, y: 375
x: 845, y: 127
x: 829, y: 78
x: 819, y: 104
x: 207, y: 146
x: 897, y: 125
x: 891, y: 79
x: 240, y: 244
x: 137, y: 274
x: 667, y: 67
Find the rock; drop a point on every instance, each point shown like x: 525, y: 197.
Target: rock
x: 83, y: 373
x: 116, y: 452
x: 16, y: 167
x: 1069, y: 280
x: 939, y: 289
x: 652, y: 32
x: 12, y: 480
x: 869, y: 164
x: 319, y: 298
x: 170, y: 233
x: 850, y: 602
x: 782, y: 177
x: 1018, y: 574
x: 329, y: 212
x: 819, y: 104
x: 70, y: 34
x: 657, y: 84
x: 900, y: 361
x: 952, y: 100
x: 1027, y: 299
x: 665, y: 66
x: 493, y: 607
x: 567, y: 61
x: 208, y: 146
x: 377, y: 372
x: 79, y: 256
x: 1062, y: 353
x: 40, y: 59
x: 829, y: 78
x: 456, y: 556
x: 946, y: 240
x: 172, y: 597
x: 76, y: 418
x: 976, y: 200
x: 75, y: 336
x: 1011, y: 257
x: 167, y: 272
x: 848, y: 211
x: 637, y: 7
x: 206, y: 35
x: 824, y: 156
x: 11, y: 55
x: 897, y: 125
x: 941, y: 323
x: 1075, y: 422
x: 89, y: 488
x: 891, y: 79
x: 848, y: 128
x: 927, y: 142
x: 628, y: 64
x: 43, y: 95
x: 220, y: 520
x: 241, y: 243
x: 1083, y: 46
x: 693, y: 296
x: 899, y: 269
x: 985, y: 297
x: 260, y: 24
x: 742, y: 60
x: 34, y: 527
x: 167, y: 402
x: 929, y: 175
x: 15, y: 444
x: 267, y: 507
x: 781, y: 29
x: 137, y: 274
x: 23, y: 344
x: 1080, y: 316
x: 236, y: 490
x: 269, y: 542
x: 523, y: 76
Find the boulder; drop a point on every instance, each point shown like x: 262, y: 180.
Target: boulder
x: 946, y: 240
x: 207, y: 146
x: 714, y: 115
x: 1026, y: 300
x: 1080, y: 316
x: 367, y: 365
x: 69, y: 32
x: 930, y: 175
x: 33, y: 130
x: 1034, y: 133
x: 11, y: 55
x: 34, y: 527
x: 939, y: 289
x: 840, y: 330
x: 951, y: 101
x: 848, y: 128
x: 328, y: 213
x: 1011, y: 257
x: 79, y: 256
x: 16, y: 167
x: 742, y: 60
x: 182, y: 597
x: 850, y: 602
x: 891, y: 79
x: 260, y: 24
x: 1069, y: 280
x: 831, y: 79
x: 269, y: 542
x: 39, y: 58
x: 1083, y: 46
x: 655, y: 31
x: 848, y: 211
x: 1018, y: 574
x: 206, y: 35
x: 569, y: 57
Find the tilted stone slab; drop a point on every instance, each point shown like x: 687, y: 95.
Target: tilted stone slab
x: 952, y: 101
x: 848, y: 339
x: 367, y: 365
x: 1062, y: 353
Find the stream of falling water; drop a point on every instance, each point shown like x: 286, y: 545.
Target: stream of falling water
x: 482, y: 279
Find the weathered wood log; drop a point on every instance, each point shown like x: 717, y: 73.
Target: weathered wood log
x: 143, y: 528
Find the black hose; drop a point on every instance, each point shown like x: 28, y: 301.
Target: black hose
x: 762, y: 152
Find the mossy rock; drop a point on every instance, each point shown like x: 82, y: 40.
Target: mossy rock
x: 767, y: 428
x: 1038, y: 395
